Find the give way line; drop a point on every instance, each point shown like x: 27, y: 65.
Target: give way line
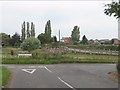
x: 31, y: 71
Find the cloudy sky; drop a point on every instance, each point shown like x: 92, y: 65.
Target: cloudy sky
x: 64, y: 15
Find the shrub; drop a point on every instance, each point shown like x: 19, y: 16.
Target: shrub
x: 30, y: 44
x: 46, y: 55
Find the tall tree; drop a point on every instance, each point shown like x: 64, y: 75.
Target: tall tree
x: 84, y: 40
x: 75, y: 34
x: 15, y: 40
x: 23, y: 31
x: 48, y: 29
x: 28, y: 31
x: 5, y: 39
x: 54, y: 39
x: 114, y: 9
x: 32, y: 29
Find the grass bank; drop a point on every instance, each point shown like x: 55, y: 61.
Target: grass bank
x: 4, y: 75
x: 65, y: 58
x: 46, y: 57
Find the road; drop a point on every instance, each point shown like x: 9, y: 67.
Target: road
x: 62, y: 76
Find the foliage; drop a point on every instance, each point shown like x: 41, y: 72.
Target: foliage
x: 5, y: 38
x: 43, y: 57
x: 32, y: 30
x: 75, y: 34
x: 48, y: 28
x: 30, y: 44
x: 113, y: 8
x: 54, y: 39
x: 28, y: 31
x: 84, y: 40
x: 76, y: 43
x: 43, y: 38
x: 15, y: 40
x: 46, y: 38
x: 23, y: 31
x: 46, y: 55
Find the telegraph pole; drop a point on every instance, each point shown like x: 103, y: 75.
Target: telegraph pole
x: 59, y: 38
x: 59, y: 35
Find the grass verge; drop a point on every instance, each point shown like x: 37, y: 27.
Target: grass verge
x: 5, y: 75
x: 46, y: 57
x: 67, y: 58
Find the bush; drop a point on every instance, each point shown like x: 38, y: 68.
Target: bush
x: 30, y: 44
x: 39, y: 54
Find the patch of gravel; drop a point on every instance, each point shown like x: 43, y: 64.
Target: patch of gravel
x: 113, y: 75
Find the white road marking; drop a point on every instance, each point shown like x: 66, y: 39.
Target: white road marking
x: 66, y: 83
x: 47, y: 69
x: 31, y: 71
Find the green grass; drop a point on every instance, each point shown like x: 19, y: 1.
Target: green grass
x: 65, y: 58
x: 44, y: 57
x: 4, y: 75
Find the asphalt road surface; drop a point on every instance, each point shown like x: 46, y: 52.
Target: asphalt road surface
x: 62, y: 76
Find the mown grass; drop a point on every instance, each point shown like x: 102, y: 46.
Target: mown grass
x: 45, y: 57
x: 4, y: 75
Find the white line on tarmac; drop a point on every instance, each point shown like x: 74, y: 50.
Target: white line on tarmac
x: 31, y: 71
x: 66, y: 83
x: 47, y: 69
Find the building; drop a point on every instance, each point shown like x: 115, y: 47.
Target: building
x: 99, y: 42
x: 105, y: 41
x: 115, y: 41
x: 66, y: 40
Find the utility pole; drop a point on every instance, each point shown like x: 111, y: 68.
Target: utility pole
x: 59, y: 36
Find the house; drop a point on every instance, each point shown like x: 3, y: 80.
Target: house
x: 115, y: 41
x: 99, y: 42
x: 66, y: 40
x: 91, y: 41
x: 105, y: 41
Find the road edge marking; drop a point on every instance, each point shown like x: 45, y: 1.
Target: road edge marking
x: 66, y: 83
x: 47, y: 69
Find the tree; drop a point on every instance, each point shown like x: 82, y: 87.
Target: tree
x: 43, y: 38
x: 23, y: 31
x: 15, y: 40
x: 75, y: 34
x: 32, y: 30
x: 30, y: 44
x: 5, y: 39
x: 114, y: 9
x: 48, y: 29
x: 54, y: 39
x: 28, y: 31
x: 84, y: 40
